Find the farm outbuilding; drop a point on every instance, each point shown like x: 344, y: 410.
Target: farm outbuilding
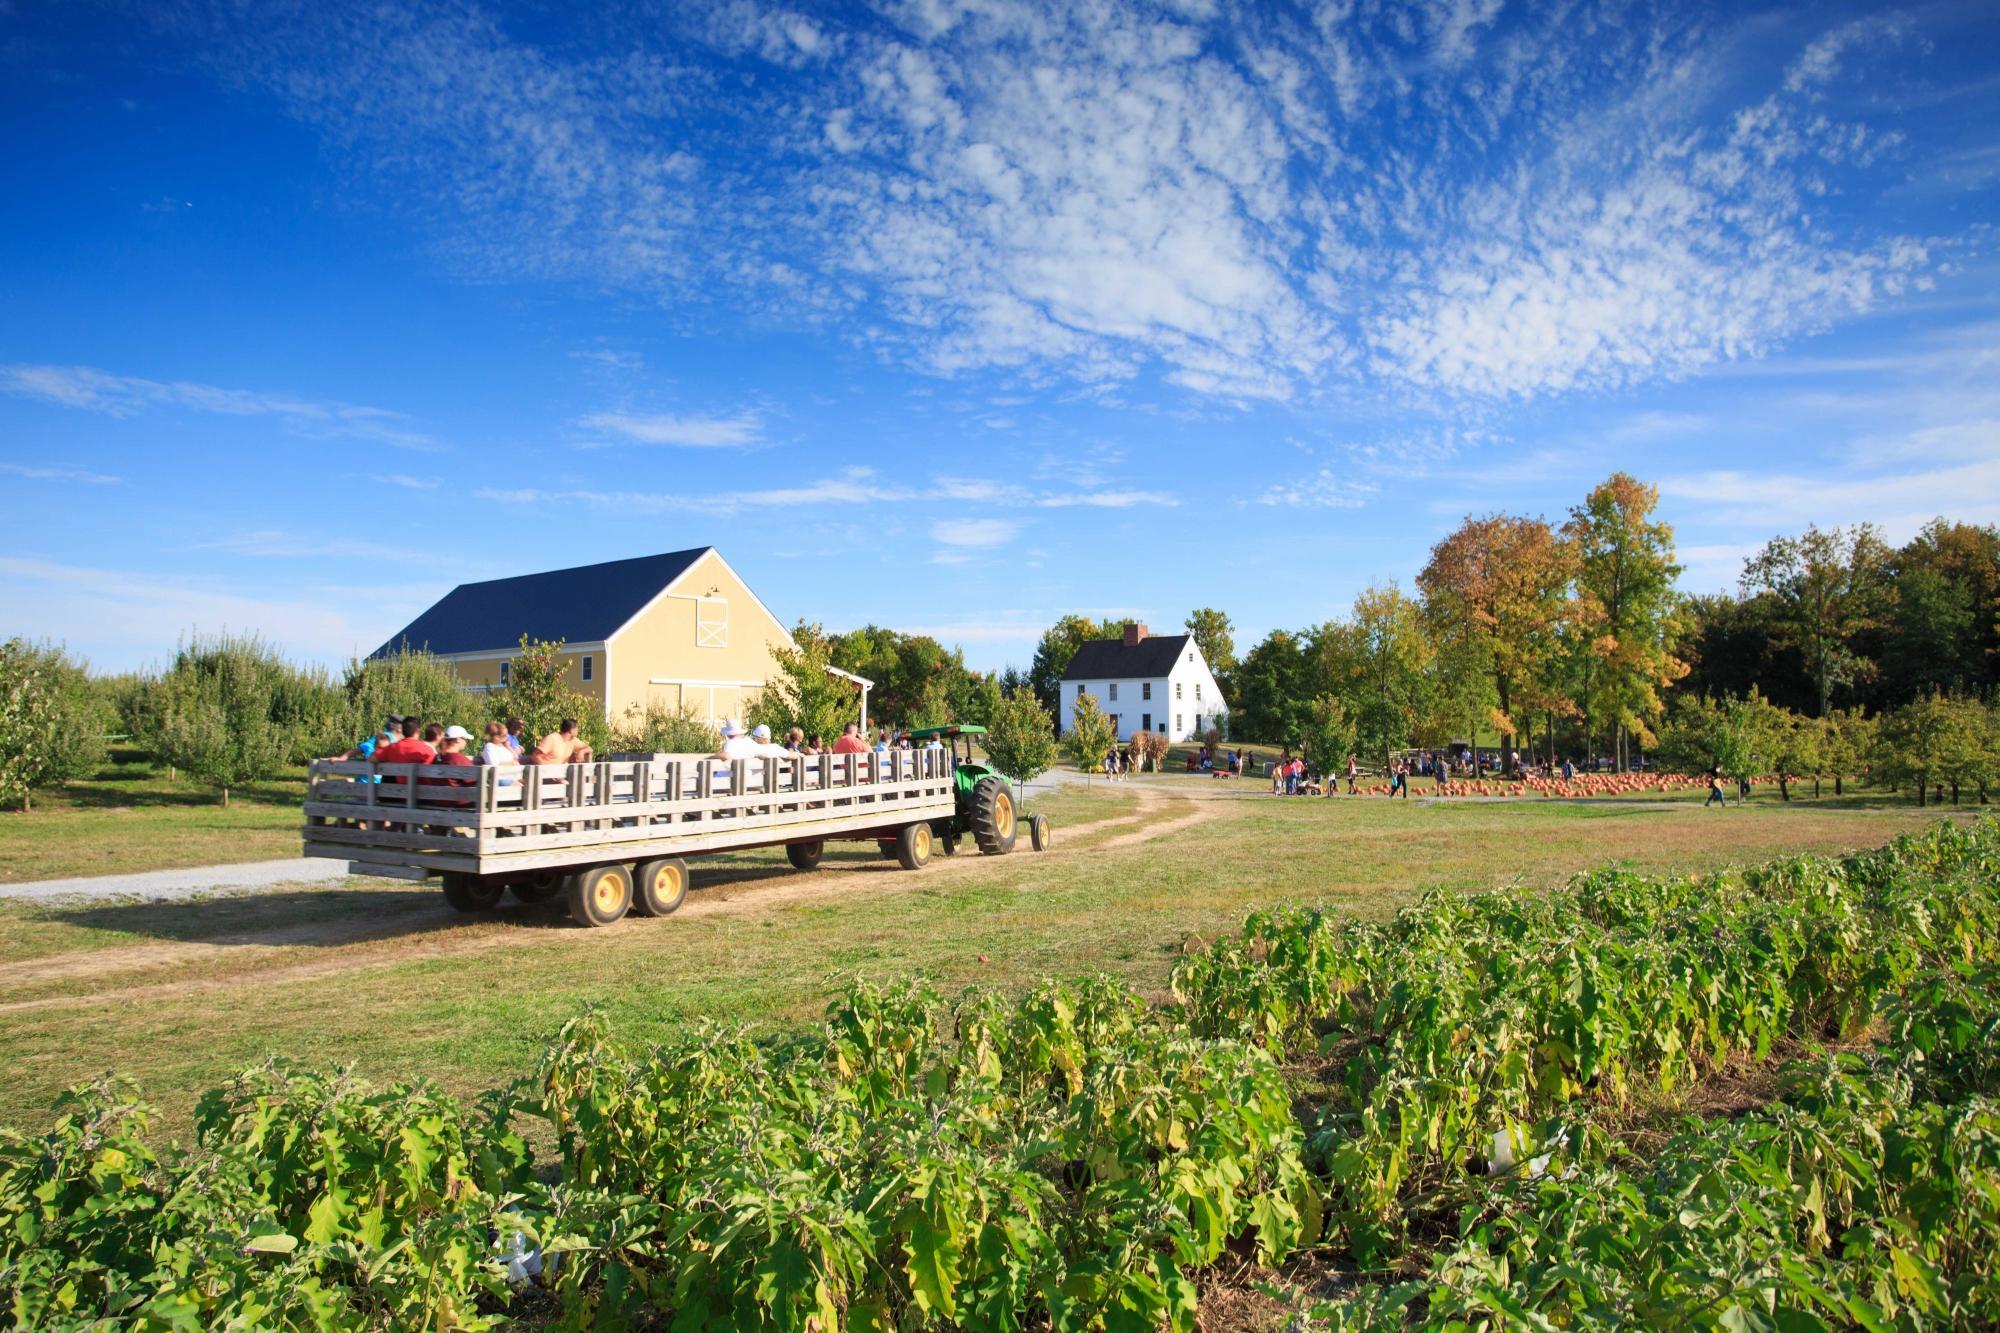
x: 680, y: 629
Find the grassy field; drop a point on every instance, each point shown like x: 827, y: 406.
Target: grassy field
x: 384, y: 977
x: 132, y: 816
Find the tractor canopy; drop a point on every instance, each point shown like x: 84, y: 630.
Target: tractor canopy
x: 957, y: 737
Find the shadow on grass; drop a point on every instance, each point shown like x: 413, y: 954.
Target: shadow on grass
x: 335, y: 917
x: 113, y: 796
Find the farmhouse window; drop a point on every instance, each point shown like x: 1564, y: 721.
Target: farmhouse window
x: 586, y: 666
x: 1145, y: 721
x: 711, y: 624
x: 1114, y: 691
x: 503, y: 671
x: 1177, y: 689
x: 1146, y: 692
x: 1177, y: 721
x: 1197, y: 691
x: 1079, y: 689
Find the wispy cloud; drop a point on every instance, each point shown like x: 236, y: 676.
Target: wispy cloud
x: 404, y: 480
x: 1324, y: 489
x: 94, y: 390
x: 84, y: 475
x: 852, y: 486
x: 277, y: 543
x: 727, y: 432
x: 1449, y: 198
x: 978, y: 533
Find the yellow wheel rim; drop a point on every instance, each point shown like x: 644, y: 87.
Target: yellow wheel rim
x: 609, y: 891
x: 668, y: 882
x: 922, y: 842
x: 1003, y: 815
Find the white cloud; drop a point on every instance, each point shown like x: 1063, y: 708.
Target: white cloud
x: 732, y: 432
x: 94, y: 390
x: 1324, y: 489
x: 404, y: 480
x: 83, y: 475
x: 979, y: 533
x: 1452, y: 196
x: 277, y: 543
x: 1899, y: 501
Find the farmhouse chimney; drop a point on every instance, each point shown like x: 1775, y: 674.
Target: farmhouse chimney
x: 1135, y: 633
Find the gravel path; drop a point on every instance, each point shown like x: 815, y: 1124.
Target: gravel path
x: 186, y: 883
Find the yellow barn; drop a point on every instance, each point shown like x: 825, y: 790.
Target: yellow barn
x: 680, y: 629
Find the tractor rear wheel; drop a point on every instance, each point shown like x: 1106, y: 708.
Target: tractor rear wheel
x: 600, y: 895
x: 470, y: 893
x: 660, y: 886
x: 913, y: 846
x: 805, y: 855
x: 992, y: 816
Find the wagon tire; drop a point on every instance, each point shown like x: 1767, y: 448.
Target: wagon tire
x: 470, y: 893
x: 600, y: 895
x: 994, y: 825
x: 914, y: 846
x: 805, y: 855
x: 537, y: 888
x: 659, y: 887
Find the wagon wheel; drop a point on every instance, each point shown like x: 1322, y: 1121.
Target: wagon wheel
x: 914, y: 845
x: 538, y: 887
x: 660, y: 886
x: 600, y: 895
x: 470, y: 893
x: 805, y: 855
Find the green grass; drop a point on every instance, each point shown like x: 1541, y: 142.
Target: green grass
x: 132, y: 816
x: 381, y: 976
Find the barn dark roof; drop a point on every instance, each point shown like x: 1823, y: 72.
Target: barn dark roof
x: 1111, y: 659
x: 587, y: 604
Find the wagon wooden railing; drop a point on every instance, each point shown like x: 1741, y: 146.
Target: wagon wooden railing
x: 453, y: 816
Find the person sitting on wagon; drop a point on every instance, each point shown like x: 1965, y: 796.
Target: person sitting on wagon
x: 496, y: 753
x: 409, y: 750
x: 561, y: 746
x: 451, y: 754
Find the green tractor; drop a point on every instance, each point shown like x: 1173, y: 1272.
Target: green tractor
x: 986, y: 811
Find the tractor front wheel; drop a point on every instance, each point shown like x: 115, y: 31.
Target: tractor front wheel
x: 992, y: 817
x: 1038, y: 832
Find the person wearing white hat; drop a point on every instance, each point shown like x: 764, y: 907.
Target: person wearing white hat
x: 450, y: 753
x: 766, y: 747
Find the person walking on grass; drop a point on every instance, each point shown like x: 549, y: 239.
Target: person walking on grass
x: 1715, y: 796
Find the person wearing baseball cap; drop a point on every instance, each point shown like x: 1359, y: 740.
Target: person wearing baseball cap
x: 451, y: 752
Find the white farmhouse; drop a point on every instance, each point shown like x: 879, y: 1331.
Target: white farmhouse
x: 1144, y: 683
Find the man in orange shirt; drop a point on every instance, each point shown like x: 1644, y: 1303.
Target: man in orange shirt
x: 561, y: 746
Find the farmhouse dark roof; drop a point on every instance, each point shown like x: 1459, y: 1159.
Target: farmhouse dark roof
x: 1114, y: 659
x: 587, y: 604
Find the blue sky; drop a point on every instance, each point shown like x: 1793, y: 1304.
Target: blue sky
x: 956, y: 315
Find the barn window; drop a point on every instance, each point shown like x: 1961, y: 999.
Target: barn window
x: 503, y: 671
x: 711, y: 622
x: 586, y: 669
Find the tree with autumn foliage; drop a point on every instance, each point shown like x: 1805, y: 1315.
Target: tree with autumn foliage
x: 1627, y: 614
x: 1497, y: 593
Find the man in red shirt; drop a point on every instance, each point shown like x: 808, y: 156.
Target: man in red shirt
x: 409, y: 750
x: 850, y: 741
